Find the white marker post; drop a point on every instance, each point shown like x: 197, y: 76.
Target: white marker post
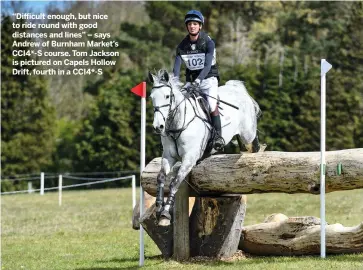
x: 140, y: 90
x: 133, y: 192
x: 325, y: 67
x: 60, y: 185
x: 42, y: 183
x: 30, y: 187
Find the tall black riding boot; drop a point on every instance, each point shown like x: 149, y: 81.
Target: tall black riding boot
x: 219, y: 141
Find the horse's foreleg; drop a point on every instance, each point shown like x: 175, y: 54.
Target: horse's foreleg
x: 183, y: 171
x: 160, y: 191
x: 166, y: 163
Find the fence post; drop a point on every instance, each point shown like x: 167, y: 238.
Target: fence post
x: 133, y: 191
x: 30, y: 187
x: 42, y: 183
x: 60, y: 190
x: 181, y: 223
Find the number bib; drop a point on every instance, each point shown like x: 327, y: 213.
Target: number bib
x: 194, y: 61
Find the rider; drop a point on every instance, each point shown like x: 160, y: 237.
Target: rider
x: 197, y: 51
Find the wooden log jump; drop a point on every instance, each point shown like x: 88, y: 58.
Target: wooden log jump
x: 299, y: 236
x: 217, y: 217
x: 264, y: 172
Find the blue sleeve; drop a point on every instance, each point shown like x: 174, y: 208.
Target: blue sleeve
x: 177, y: 65
x: 208, y: 59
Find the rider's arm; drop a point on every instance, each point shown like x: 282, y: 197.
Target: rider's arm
x: 208, y: 60
x: 177, y: 65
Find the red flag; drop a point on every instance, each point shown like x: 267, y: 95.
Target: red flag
x: 140, y: 89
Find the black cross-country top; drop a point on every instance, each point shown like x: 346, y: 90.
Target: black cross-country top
x: 199, y: 58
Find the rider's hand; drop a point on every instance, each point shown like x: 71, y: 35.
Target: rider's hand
x: 196, y: 83
x: 187, y: 85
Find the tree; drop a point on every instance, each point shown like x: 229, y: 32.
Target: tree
x: 27, y: 116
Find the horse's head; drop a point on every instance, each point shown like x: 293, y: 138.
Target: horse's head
x: 162, y: 97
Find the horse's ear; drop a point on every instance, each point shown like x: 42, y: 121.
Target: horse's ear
x: 151, y: 77
x: 165, y: 76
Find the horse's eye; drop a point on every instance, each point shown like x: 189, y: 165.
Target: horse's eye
x: 167, y: 97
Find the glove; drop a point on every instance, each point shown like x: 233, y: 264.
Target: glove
x: 186, y: 86
x: 196, y: 83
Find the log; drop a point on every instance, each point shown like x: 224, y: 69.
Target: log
x: 148, y: 202
x: 299, y: 236
x: 263, y: 172
x: 216, y: 225
x: 161, y: 235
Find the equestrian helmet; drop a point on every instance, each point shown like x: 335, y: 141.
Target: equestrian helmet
x: 194, y: 15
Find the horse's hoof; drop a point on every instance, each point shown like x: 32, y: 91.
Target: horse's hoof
x: 164, y: 218
x: 164, y: 222
x: 158, y: 211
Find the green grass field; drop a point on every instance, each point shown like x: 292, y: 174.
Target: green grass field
x: 92, y: 230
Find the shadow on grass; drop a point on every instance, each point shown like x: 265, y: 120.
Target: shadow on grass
x: 124, y: 260
x: 212, y: 262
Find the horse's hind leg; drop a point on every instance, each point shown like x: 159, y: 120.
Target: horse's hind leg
x: 255, y: 145
x: 240, y: 143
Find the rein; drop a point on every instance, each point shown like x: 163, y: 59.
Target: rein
x: 169, y: 120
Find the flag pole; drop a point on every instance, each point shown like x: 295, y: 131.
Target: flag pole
x: 325, y: 67
x: 140, y: 90
x: 142, y: 166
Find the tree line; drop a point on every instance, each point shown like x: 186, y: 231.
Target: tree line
x: 92, y: 123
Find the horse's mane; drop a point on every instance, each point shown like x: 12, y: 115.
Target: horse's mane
x: 174, y: 81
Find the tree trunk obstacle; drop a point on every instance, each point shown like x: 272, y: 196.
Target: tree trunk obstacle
x: 215, y: 227
x: 264, y: 172
x: 299, y: 236
x: 215, y: 223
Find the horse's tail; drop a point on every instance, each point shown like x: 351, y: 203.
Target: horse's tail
x: 241, y: 85
x: 257, y: 108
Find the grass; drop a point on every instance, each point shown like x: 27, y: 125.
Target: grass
x: 92, y: 230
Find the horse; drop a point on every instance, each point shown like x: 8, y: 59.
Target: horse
x: 185, y: 129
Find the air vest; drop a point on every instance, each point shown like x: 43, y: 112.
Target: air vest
x: 194, y: 58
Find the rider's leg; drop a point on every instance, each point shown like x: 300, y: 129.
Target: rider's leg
x: 216, y: 122
x: 210, y: 87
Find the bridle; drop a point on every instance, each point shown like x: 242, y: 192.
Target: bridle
x: 169, y: 131
x: 171, y: 98
x: 174, y: 133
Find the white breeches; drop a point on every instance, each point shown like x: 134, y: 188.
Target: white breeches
x: 210, y: 87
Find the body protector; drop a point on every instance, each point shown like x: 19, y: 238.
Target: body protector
x: 193, y: 55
